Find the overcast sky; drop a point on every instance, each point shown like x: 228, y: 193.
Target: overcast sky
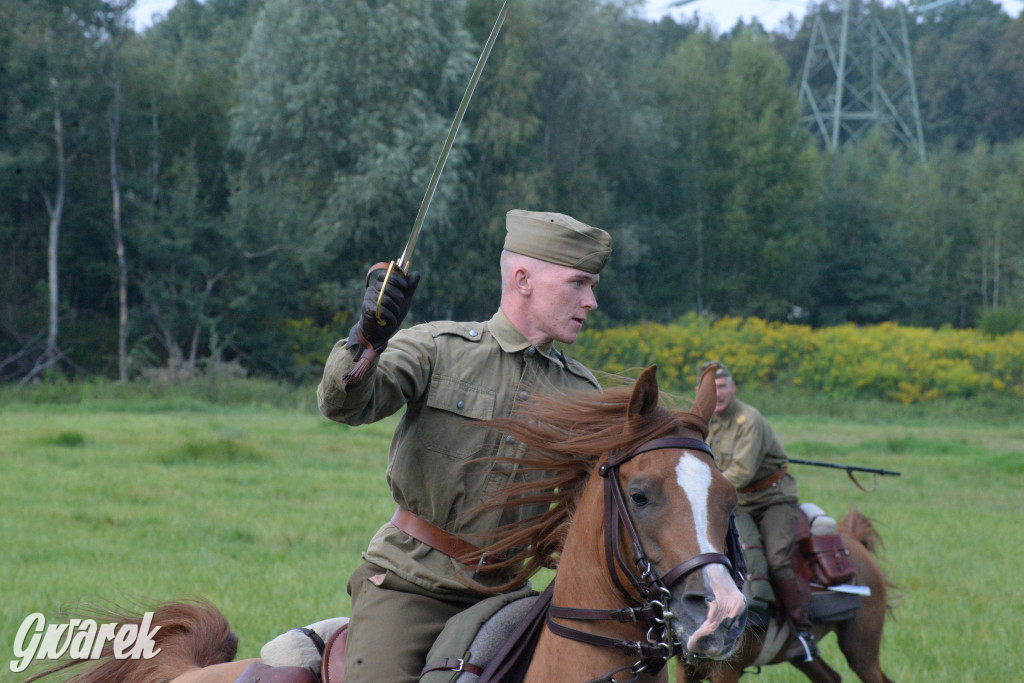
x: 722, y: 13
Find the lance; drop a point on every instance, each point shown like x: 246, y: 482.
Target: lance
x: 402, y: 263
x: 850, y: 469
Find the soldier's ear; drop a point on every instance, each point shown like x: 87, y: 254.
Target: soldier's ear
x: 522, y: 280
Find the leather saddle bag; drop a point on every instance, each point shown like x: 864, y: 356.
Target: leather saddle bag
x: 828, y: 559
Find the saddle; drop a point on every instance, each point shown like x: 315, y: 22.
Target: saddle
x: 491, y: 641
x: 820, y: 558
x: 301, y: 655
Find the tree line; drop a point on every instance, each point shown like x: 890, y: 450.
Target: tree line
x: 210, y: 192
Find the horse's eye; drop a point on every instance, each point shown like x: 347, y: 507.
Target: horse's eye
x: 638, y: 498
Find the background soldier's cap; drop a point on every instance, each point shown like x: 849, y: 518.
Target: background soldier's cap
x: 557, y: 238
x: 721, y: 369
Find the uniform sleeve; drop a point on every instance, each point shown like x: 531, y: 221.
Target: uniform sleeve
x: 401, y: 374
x: 748, y: 451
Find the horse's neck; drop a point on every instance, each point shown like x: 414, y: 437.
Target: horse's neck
x: 583, y: 582
x: 583, y: 578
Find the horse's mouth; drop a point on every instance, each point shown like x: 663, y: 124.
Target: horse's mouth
x: 718, y: 643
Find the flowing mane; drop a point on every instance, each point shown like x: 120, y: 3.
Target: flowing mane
x: 567, y: 435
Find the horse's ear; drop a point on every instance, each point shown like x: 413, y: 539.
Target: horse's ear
x: 645, y: 394
x: 704, y: 405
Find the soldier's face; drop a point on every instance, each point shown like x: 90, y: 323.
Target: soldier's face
x: 724, y: 389
x: 561, y: 299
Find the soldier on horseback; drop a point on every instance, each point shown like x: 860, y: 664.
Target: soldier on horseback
x: 753, y: 459
x: 448, y: 376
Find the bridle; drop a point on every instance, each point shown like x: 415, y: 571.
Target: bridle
x: 655, y: 590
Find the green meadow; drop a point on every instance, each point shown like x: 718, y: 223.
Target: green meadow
x: 244, y: 495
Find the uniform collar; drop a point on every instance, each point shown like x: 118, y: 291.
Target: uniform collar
x: 511, y: 340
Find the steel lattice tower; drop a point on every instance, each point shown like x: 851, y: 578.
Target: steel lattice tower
x: 858, y: 74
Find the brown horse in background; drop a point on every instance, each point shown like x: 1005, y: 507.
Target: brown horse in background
x: 613, y: 463
x: 859, y: 637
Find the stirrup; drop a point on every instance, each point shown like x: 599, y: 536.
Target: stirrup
x: 803, y: 649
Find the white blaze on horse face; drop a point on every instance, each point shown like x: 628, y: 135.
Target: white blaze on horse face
x: 694, y: 477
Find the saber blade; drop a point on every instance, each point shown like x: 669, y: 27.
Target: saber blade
x: 403, y: 261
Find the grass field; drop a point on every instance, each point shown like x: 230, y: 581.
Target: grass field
x: 261, y: 506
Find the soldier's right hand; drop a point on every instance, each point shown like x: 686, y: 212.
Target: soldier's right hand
x: 394, y: 306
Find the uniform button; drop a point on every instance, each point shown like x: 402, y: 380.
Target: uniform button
x: 531, y: 351
x: 473, y: 333
x: 509, y: 440
x: 523, y: 395
x: 460, y: 405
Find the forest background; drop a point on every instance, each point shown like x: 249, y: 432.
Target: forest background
x: 208, y: 193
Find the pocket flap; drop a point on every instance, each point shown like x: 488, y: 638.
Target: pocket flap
x: 461, y: 398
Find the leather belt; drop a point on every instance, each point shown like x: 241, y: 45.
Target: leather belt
x: 762, y: 484
x: 436, y: 537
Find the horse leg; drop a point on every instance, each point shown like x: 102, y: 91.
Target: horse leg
x: 818, y: 671
x: 860, y: 638
x: 860, y: 641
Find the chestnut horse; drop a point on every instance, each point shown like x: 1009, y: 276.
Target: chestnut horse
x: 859, y: 637
x: 634, y: 514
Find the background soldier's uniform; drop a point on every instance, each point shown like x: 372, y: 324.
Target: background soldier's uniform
x: 753, y: 459
x: 449, y: 375
x: 749, y: 451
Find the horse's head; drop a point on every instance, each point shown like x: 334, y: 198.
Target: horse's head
x: 634, y: 513
x: 680, y: 506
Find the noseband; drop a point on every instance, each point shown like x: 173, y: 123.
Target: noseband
x: 654, y: 589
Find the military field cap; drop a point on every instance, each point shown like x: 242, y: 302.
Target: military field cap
x: 721, y: 370
x: 557, y: 238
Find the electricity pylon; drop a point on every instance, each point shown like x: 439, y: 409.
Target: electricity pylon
x: 858, y: 74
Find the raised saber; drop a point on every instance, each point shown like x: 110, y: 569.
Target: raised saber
x: 402, y: 263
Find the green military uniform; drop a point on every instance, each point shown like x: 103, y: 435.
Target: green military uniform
x: 753, y: 459
x: 448, y: 376
x: 751, y: 454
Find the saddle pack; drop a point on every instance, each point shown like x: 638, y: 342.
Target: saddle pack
x: 483, y: 643
x: 819, y: 557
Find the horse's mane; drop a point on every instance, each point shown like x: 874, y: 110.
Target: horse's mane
x: 567, y: 435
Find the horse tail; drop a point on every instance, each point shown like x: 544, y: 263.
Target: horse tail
x: 856, y: 525
x: 192, y: 634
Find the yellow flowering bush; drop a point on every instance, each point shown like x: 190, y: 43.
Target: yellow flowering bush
x: 904, y: 364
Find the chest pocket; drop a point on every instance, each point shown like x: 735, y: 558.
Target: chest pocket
x: 456, y: 402
x: 461, y: 398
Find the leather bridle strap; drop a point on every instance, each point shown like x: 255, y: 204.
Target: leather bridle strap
x: 616, y: 514
x: 635, y: 648
x: 684, y: 568
x: 625, y: 615
x: 653, y: 589
x: 654, y: 445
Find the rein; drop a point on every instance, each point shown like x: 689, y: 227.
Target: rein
x: 660, y: 645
